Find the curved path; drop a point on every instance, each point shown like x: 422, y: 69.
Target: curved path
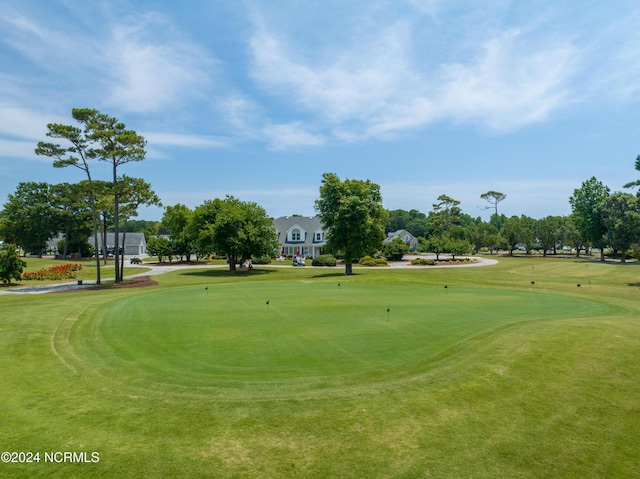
x: 154, y: 269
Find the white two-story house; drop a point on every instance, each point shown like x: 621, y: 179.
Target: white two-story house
x: 300, y: 235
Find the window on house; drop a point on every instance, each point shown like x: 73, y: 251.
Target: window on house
x: 319, y: 236
x: 295, y: 235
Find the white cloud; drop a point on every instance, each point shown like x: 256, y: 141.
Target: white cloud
x: 188, y: 141
x: 381, y: 85
x: 286, y: 136
x: 614, y: 55
x: 250, y: 121
x: 512, y: 83
x: 150, y: 75
x: 19, y: 149
x: 24, y: 123
x: 360, y: 85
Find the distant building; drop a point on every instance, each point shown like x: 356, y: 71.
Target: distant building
x: 135, y: 243
x: 300, y: 235
x: 410, y: 240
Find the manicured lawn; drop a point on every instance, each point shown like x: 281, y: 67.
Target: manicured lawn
x: 383, y: 374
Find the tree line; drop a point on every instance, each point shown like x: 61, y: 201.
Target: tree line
x: 350, y: 210
x: 38, y: 211
x: 599, y: 220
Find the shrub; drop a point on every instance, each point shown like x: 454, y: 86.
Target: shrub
x: 365, y: 259
x: 324, y: 260
x: 261, y: 260
x: 368, y: 263
x: 381, y: 262
x: 11, y: 265
x: 423, y: 262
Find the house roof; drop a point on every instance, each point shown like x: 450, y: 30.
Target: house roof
x: 307, y: 224
x: 400, y: 233
x: 131, y: 239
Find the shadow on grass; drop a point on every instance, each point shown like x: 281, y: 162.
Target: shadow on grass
x: 334, y: 274
x: 225, y: 273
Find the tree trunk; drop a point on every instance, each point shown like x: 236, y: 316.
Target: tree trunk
x: 348, y: 267
x: 116, y: 227
x: 104, y: 237
x: 66, y: 243
x: 124, y: 237
x: 94, y: 214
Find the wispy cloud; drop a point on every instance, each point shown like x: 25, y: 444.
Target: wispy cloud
x: 379, y: 87
x: 18, y: 149
x: 24, y: 123
x: 513, y: 81
x: 151, y: 72
x: 364, y: 85
x: 291, y: 135
x: 188, y: 141
x: 249, y: 120
x: 137, y: 63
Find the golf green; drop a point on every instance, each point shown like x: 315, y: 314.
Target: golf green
x: 304, y: 333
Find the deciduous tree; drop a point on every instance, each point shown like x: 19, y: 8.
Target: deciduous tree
x: 11, y: 266
x: 176, y: 219
x: 29, y: 217
x: 352, y: 212
x: 512, y: 233
x: 621, y: 217
x: 395, y: 249
x: 584, y: 205
x: 241, y: 230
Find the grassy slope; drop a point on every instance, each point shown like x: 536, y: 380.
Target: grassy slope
x: 554, y: 398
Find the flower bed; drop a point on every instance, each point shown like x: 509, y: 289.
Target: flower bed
x: 63, y: 271
x: 441, y: 262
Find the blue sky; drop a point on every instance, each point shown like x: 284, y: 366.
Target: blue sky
x: 257, y: 99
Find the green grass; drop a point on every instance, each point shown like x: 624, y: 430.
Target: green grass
x: 491, y: 377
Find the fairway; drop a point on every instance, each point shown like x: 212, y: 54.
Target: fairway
x: 302, y: 333
x: 512, y: 370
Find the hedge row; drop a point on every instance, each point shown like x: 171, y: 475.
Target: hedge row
x: 324, y: 260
